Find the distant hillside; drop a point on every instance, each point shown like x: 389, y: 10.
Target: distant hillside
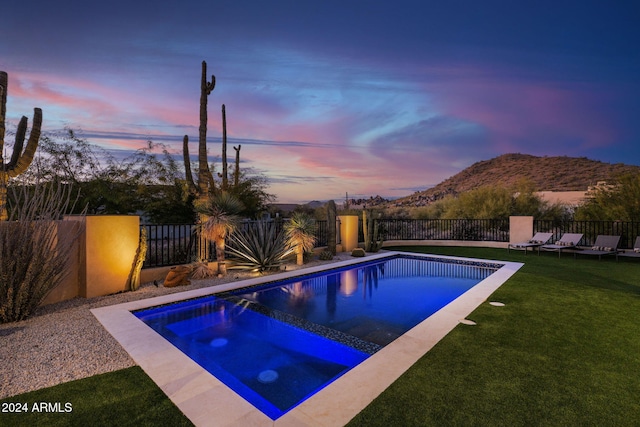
x: 548, y: 173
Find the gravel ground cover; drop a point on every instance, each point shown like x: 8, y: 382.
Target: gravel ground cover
x: 64, y: 341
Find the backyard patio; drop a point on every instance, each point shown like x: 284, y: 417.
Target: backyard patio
x: 560, y: 352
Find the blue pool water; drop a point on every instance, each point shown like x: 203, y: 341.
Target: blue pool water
x: 279, y: 343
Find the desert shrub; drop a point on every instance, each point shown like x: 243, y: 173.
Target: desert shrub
x: 34, y: 256
x: 437, y: 209
x: 483, y: 202
x: 326, y: 255
x: 493, y: 202
x: 258, y: 248
x: 618, y: 201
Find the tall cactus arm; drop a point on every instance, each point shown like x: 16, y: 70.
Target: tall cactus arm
x: 21, y: 133
x: 205, y: 177
x: 211, y: 85
x: 225, y: 175
x: 209, y: 177
x: 20, y: 160
x: 4, y: 79
x: 26, y: 157
x: 187, y: 165
x: 207, y: 87
x: 236, y: 172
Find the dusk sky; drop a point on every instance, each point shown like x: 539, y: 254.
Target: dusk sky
x: 327, y: 97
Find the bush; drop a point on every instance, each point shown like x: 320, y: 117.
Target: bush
x: 617, y: 201
x: 326, y: 255
x: 34, y: 256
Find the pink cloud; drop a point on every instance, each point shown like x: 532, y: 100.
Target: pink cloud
x: 89, y: 104
x: 516, y: 113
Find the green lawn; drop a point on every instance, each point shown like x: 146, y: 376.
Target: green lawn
x: 564, y: 351
x: 123, y: 398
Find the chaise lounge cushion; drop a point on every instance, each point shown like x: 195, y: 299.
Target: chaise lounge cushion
x: 604, y: 245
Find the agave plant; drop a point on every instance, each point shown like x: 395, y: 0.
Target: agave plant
x: 300, y: 231
x: 220, y: 219
x: 259, y: 248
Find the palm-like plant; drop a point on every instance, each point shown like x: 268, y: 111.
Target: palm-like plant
x: 300, y: 231
x: 220, y: 219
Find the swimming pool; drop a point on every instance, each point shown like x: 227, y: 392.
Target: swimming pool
x: 203, y: 397
x: 270, y: 363
x: 279, y: 343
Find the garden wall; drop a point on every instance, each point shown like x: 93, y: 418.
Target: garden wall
x: 69, y: 288
x: 101, y: 259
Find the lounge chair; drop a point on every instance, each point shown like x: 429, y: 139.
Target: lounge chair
x: 535, y: 242
x: 567, y: 241
x: 604, y: 245
x: 631, y: 253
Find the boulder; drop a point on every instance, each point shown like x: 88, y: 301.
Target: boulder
x: 177, y: 276
x: 358, y: 252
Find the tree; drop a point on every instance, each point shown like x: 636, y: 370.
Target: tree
x: 147, y: 181
x: 483, y: 202
x: 618, y: 201
x: 251, y: 191
x: 220, y: 219
x: 300, y: 231
x: 494, y: 202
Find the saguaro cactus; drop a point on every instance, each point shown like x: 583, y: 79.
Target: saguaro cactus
x: 236, y: 172
x: 205, y: 177
x: 225, y: 172
x: 20, y: 159
x: 331, y: 227
x: 206, y: 185
x: 372, y: 242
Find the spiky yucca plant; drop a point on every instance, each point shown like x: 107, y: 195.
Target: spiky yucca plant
x: 220, y: 219
x: 259, y: 248
x: 300, y: 231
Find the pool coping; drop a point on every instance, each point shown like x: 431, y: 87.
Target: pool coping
x: 207, y: 401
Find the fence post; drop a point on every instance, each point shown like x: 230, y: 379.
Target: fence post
x: 349, y: 232
x: 520, y: 228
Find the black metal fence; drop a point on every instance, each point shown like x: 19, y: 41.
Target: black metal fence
x: 496, y: 230
x: 628, y: 231
x: 170, y: 244
x: 173, y: 244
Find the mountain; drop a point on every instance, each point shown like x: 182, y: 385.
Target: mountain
x: 558, y: 173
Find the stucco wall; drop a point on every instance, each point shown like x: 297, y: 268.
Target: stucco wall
x: 520, y: 228
x: 110, y: 247
x: 106, y: 252
x: 349, y: 232
x: 69, y: 287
